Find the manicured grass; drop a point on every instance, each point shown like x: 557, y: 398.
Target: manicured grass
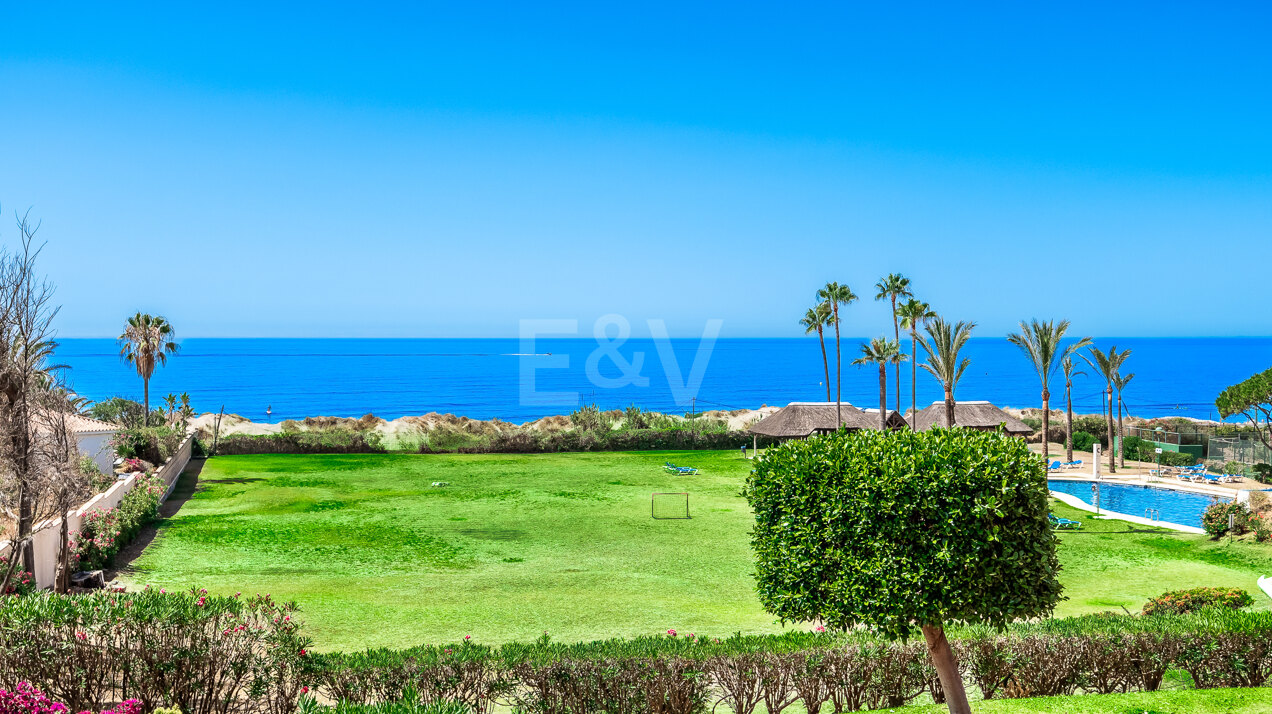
x: 514, y: 546
x: 1193, y: 701
x: 517, y: 545
x: 1111, y: 565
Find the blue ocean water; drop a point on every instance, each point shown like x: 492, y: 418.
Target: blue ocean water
x: 1172, y: 506
x: 504, y: 378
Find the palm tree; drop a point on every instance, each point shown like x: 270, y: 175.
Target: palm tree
x: 1066, y: 366
x: 1108, y: 364
x: 942, y: 344
x: 815, y: 320
x: 836, y: 295
x: 1119, y: 383
x: 146, y: 342
x: 1040, y: 341
x: 892, y: 287
x: 881, y: 351
x: 913, y: 314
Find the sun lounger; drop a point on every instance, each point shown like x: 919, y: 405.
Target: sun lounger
x: 1054, y: 466
x: 1076, y: 464
x: 1062, y: 524
x: 672, y: 468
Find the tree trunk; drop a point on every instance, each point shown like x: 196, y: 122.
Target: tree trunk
x: 914, y: 377
x: 1109, y: 426
x: 947, y: 669
x: 1121, y: 440
x: 825, y: 362
x: 1068, y: 421
x: 883, y: 396
x: 949, y: 407
x: 63, y: 582
x: 839, y: 371
x: 896, y: 332
x: 26, y: 520
x: 146, y: 391
x: 1046, y: 426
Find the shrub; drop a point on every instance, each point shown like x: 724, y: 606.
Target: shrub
x: 1262, y: 473
x: 1235, y: 467
x: 591, y: 418
x: 1083, y: 440
x: 1182, y: 602
x: 200, y: 653
x: 1094, y: 425
x: 1138, y: 449
x: 124, y: 412
x: 21, y: 582
x: 1261, y: 524
x: 1215, y: 519
x: 155, y: 444
x: 317, y: 441
x: 1177, y: 458
x: 104, y: 532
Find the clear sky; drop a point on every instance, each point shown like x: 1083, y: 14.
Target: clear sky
x: 418, y: 170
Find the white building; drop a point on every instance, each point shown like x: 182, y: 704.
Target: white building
x: 93, y: 438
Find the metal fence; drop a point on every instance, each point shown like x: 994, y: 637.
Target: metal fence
x: 1244, y: 449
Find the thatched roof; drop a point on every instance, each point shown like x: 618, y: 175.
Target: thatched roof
x: 895, y: 420
x: 973, y: 415
x: 798, y: 420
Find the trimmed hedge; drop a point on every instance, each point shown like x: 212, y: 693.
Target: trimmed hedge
x: 226, y: 655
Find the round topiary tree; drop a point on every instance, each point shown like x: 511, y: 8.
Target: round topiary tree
x: 901, y: 532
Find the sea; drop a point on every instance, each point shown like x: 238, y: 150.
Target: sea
x: 266, y: 379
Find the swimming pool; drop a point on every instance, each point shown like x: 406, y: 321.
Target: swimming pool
x: 1179, y: 507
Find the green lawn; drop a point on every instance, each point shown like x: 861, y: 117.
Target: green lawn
x: 517, y: 545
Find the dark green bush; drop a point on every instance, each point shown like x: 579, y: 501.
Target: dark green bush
x: 124, y: 412
x: 1137, y: 449
x: 1083, y: 440
x: 1176, y: 458
x: 1182, y: 602
x: 1262, y: 473
x: 104, y: 532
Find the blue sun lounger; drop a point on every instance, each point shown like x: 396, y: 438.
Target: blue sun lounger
x: 1063, y: 524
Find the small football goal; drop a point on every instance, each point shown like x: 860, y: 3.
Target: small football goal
x: 669, y: 505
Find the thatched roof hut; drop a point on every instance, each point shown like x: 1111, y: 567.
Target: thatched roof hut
x: 800, y: 420
x: 973, y: 415
x: 895, y: 420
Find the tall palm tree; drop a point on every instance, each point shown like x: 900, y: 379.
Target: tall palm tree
x: 943, y: 342
x: 836, y: 295
x: 1108, y: 364
x: 883, y: 352
x: 1066, y: 367
x: 913, y: 314
x: 815, y: 320
x: 146, y: 342
x: 1119, y: 383
x: 1040, y: 341
x: 892, y: 287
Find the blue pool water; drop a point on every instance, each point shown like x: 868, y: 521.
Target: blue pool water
x: 1175, y: 506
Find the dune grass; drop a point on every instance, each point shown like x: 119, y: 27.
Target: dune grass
x: 519, y: 544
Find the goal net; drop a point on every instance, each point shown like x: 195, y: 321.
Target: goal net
x: 669, y: 505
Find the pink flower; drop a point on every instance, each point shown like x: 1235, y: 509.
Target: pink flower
x: 467, y: 637
x: 671, y: 632
x: 304, y: 689
x: 81, y: 636
x: 819, y: 628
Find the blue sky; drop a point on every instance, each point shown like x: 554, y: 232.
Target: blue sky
x: 421, y: 170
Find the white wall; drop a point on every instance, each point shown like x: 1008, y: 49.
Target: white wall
x: 97, y: 446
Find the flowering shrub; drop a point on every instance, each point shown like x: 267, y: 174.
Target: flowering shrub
x: 1261, y: 524
x: 201, y: 653
x: 1215, y: 519
x: 104, y: 532
x: 1179, y: 602
x: 20, y: 583
x: 26, y: 699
